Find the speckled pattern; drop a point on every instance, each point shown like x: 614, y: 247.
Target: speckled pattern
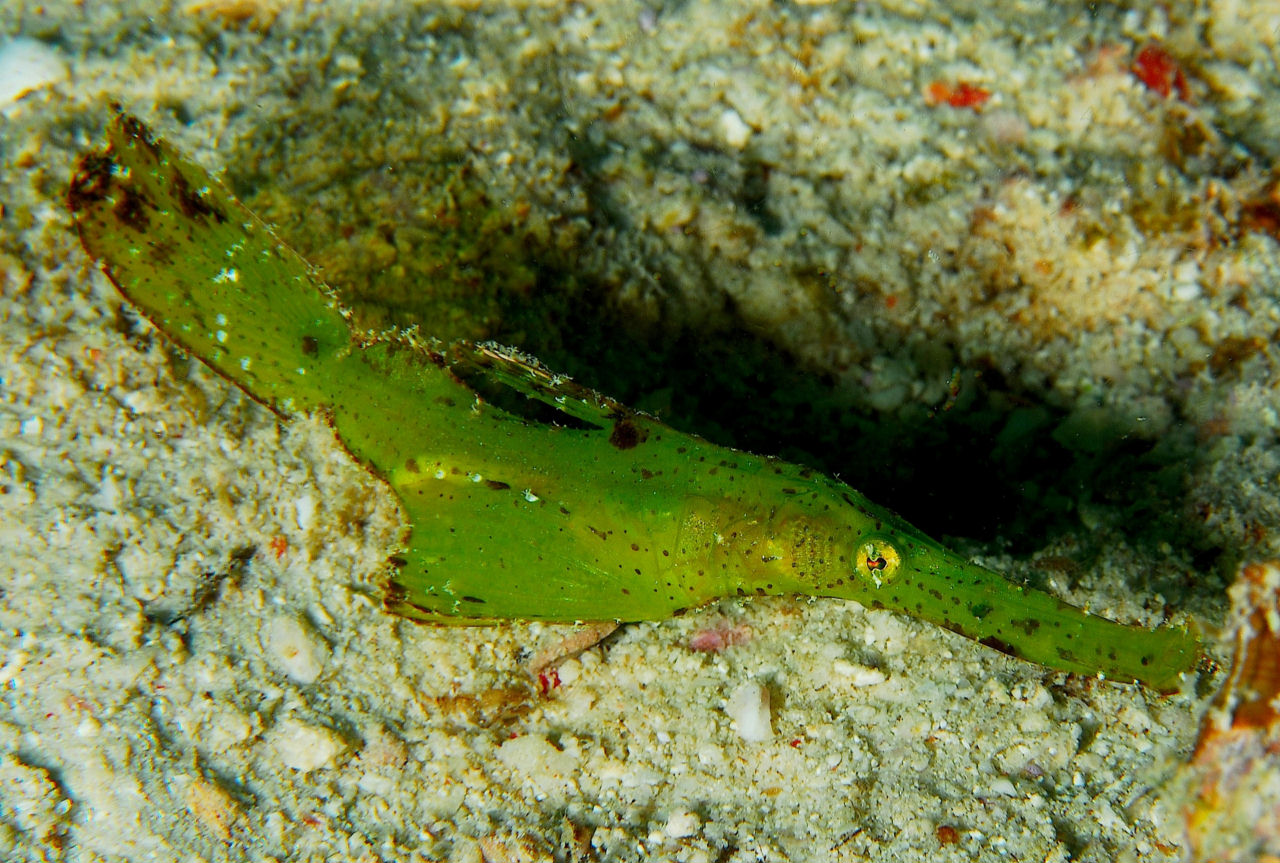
x: 194, y: 659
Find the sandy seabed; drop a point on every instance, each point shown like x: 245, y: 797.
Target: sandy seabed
x: 1079, y: 199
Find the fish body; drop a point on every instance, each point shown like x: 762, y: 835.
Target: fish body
x: 528, y: 496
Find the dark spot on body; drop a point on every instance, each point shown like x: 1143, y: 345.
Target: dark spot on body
x: 474, y: 599
x: 193, y: 206
x: 999, y: 644
x: 980, y: 610
x: 411, y: 465
x: 1029, y: 625
x: 129, y: 210
x: 162, y: 252
x: 138, y: 131
x: 310, y: 346
x: 626, y: 434
x: 91, y: 182
x: 496, y: 485
x: 397, y: 561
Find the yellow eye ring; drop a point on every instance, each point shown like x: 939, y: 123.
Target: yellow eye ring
x: 877, y: 560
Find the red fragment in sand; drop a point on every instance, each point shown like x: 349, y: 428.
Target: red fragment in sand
x: 717, y: 638
x: 279, y: 545
x: 548, y: 680
x: 1160, y: 73
x: 962, y: 94
x: 1262, y: 216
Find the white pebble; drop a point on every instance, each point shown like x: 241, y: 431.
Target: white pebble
x: 735, y: 131
x: 553, y: 772
x: 858, y: 675
x: 144, y: 571
x: 1003, y: 787
x: 303, y: 747
x: 293, y: 650
x: 304, y: 509
x: 748, y: 707
x: 682, y: 823
x: 27, y: 65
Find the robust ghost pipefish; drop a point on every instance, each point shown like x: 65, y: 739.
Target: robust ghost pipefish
x: 530, y: 497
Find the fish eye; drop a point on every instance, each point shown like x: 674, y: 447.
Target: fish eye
x: 877, y: 560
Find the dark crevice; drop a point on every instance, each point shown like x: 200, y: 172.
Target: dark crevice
x: 997, y: 466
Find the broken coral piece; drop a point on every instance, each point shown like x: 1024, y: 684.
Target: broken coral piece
x: 1232, y: 815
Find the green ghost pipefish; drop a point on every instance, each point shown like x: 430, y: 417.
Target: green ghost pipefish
x: 530, y: 497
